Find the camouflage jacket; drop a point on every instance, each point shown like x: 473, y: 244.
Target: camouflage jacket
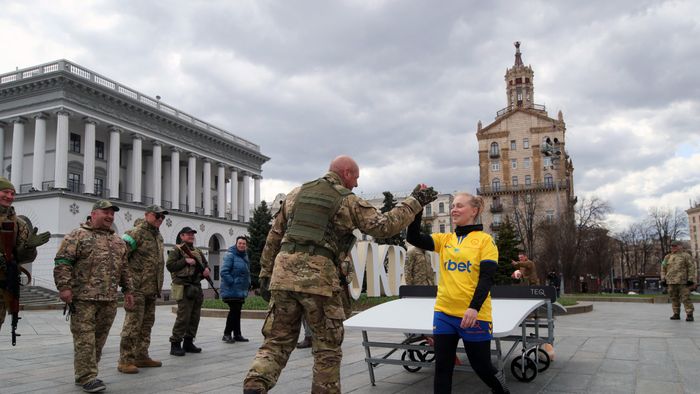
x: 529, y: 271
x: 316, y: 274
x: 146, y: 261
x: 418, y: 270
x: 23, y: 255
x: 180, y: 271
x: 678, y: 268
x: 92, y: 263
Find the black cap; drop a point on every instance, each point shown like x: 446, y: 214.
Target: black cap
x: 186, y: 230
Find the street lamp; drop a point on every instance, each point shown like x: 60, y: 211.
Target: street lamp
x: 551, y: 148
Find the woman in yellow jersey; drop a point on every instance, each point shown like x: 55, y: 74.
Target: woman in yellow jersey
x: 468, y: 264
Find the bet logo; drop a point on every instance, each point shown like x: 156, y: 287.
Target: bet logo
x: 461, y: 267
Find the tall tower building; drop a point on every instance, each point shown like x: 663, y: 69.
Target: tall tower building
x: 516, y: 179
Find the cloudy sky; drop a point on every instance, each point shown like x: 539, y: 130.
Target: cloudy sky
x: 401, y: 85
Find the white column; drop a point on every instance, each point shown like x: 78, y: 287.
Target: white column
x: 246, y: 197
x: 39, y: 150
x: 136, y: 166
x: 113, y: 170
x: 175, y: 177
x: 62, y: 140
x: 157, y: 173
x: 167, y: 186
x: 17, y: 151
x: 2, y: 148
x: 234, y: 193
x: 183, y: 187
x: 256, y: 191
x: 221, y: 191
x: 206, y: 185
x: 192, y: 183
x: 89, y: 158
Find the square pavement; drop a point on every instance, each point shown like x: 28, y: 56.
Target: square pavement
x: 617, y: 348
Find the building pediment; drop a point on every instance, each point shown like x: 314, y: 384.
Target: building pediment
x: 488, y: 131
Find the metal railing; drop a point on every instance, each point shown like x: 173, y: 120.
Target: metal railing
x: 563, y: 184
x: 124, y: 196
x: 68, y: 67
x: 167, y: 204
x: 47, y: 185
x: 537, y: 107
x: 496, y: 208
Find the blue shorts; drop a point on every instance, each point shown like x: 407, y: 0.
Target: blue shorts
x: 446, y: 324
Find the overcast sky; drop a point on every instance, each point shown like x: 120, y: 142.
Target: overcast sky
x: 401, y: 85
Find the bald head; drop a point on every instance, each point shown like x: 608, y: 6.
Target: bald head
x: 347, y: 169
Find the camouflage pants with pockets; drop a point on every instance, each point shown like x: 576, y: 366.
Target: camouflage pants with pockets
x: 136, y: 332
x: 189, y: 310
x: 90, y: 324
x: 680, y: 294
x: 281, y: 329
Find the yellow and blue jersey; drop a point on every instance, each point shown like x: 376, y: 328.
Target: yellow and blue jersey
x: 460, y: 263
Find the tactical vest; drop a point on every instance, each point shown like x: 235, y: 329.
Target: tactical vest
x: 310, y: 223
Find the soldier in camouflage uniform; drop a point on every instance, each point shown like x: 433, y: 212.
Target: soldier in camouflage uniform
x: 26, y: 239
x: 418, y: 270
x: 678, y: 272
x: 146, y: 264
x: 188, y: 267
x: 90, y: 263
x: 528, y: 269
x: 299, y: 265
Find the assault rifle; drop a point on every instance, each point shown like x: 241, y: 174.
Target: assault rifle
x: 12, y: 276
x: 199, y: 266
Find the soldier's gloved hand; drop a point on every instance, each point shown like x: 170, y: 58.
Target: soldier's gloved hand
x: 35, y: 239
x: 689, y: 283
x: 663, y: 283
x: 424, y: 195
x: 265, y: 288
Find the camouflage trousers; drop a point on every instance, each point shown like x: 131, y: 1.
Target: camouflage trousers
x: 281, y: 329
x: 680, y: 294
x: 90, y: 324
x: 189, y: 310
x: 136, y: 332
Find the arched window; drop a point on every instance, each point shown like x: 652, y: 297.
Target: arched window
x: 495, y: 151
x: 441, y: 207
x: 548, y: 180
x: 496, y: 184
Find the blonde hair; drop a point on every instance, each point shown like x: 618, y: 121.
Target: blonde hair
x: 475, y: 201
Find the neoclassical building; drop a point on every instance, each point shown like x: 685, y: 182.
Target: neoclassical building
x: 515, y: 178
x: 70, y: 136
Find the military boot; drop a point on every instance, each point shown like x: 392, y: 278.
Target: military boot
x: 176, y: 349
x: 689, y: 317
x: 306, y: 343
x: 189, y: 346
x: 127, y: 368
x: 676, y: 316
x: 148, y: 363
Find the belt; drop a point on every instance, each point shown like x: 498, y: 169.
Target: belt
x: 312, y: 250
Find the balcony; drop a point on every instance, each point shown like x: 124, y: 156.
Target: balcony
x: 495, y: 226
x: 494, y: 154
x: 535, y: 187
x: 495, y: 208
x: 536, y: 107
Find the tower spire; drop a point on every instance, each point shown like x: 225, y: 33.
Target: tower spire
x: 518, y: 57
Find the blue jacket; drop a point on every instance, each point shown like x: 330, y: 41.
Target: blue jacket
x: 235, y: 274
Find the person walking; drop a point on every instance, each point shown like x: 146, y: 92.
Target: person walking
x: 146, y: 265
x: 468, y: 265
x: 299, y: 265
x: 188, y: 267
x: 90, y: 263
x: 678, y: 272
x: 235, y: 283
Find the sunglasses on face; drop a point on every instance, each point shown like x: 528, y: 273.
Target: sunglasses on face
x: 159, y: 216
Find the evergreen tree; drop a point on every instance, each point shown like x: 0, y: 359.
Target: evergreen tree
x: 258, y: 228
x: 507, y: 243
x: 398, y: 239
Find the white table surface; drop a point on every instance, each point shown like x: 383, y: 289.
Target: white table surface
x: 415, y: 316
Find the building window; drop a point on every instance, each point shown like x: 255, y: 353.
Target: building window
x: 74, y: 182
x: 549, y: 215
x: 442, y: 228
x: 497, y: 218
x: 526, y: 143
x: 514, y: 181
x: 547, y: 162
x: 496, y: 184
x: 514, y: 163
x: 428, y: 210
x: 515, y: 200
x: 99, y: 186
x: 512, y: 144
x: 495, y: 151
x: 528, y: 198
x: 441, y: 207
x: 528, y: 180
x: 99, y: 150
x: 495, y: 166
x: 548, y: 180
x: 526, y: 163
x: 74, y: 142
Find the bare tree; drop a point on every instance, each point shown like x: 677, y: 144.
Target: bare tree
x: 667, y: 225
x: 525, y: 222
